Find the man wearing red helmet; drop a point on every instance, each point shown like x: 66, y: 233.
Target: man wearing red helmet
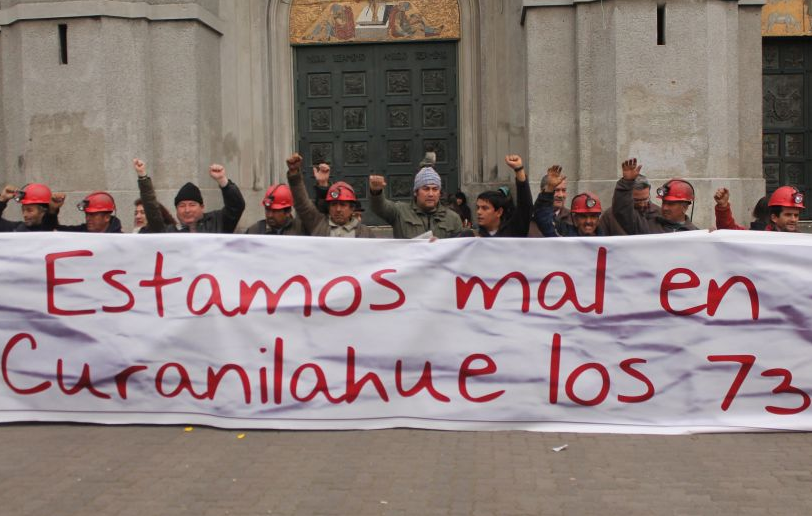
x: 279, y: 219
x: 99, y: 209
x: 585, y: 210
x: 341, y: 200
x: 677, y: 195
x: 785, y: 205
x: 35, y: 200
x: 190, y: 211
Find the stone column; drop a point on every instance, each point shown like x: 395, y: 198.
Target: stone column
x: 601, y: 89
x: 140, y: 80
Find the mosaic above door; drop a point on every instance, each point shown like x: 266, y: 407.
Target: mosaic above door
x: 365, y: 21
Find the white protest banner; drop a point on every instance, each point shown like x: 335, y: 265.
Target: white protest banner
x: 659, y: 334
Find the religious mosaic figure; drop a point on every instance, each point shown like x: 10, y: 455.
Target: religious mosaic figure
x: 339, y: 24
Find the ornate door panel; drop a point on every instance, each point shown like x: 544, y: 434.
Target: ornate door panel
x: 377, y: 109
x: 787, y: 87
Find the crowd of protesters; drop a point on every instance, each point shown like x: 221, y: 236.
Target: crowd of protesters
x: 337, y: 212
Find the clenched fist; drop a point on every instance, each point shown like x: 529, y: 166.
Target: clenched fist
x: 218, y: 173
x: 294, y: 162
x: 140, y: 167
x: 514, y: 161
x: 722, y: 197
x: 376, y: 184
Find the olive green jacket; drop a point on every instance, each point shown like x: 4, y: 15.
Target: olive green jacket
x: 409, y: 221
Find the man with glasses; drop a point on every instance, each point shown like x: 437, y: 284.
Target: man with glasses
x: 560, y: 212
x: 585, y: 210
x: 641, y: 196
x: 677, y: 196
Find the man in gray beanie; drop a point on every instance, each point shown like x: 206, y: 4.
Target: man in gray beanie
x: 423, y: 214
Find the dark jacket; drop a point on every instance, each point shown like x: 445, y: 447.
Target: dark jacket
x: 545, y: 218
x: 217, y: 221
x: 519, y: 222
x: 609, y: 226
x: 48, y: 223
x: 315, y: 223
x: 535, y: 231
x: 113, y: 227
x: 294, y: 227
x: 634, y: 223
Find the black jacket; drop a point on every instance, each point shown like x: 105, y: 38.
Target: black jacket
x: 519, y: 222
x: 217, y: 221
x: 113, y: 227
x: 545, y: 218
x: 48, y: 223
x: 634, y: 223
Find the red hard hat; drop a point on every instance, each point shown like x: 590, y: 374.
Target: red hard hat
x: 33, y: 193
x: 676, y: 190
x: 787, y: 196
x: 586, y: 202
x: 278, y: 197
x: 97, y: 202
x: 341, y: 191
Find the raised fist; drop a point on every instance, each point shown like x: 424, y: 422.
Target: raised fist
x: 321, y: 174
x: 376, y: 183
x: 218, y: 173
x: 140, y: 167
x: 722, y: 197
x: 514, y: 161
x: 630, y: 169
x: 294, y: 162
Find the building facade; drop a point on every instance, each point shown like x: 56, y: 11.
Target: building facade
x: 370, y: 85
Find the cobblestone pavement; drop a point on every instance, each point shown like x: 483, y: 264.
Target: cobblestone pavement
x: 63, y: 470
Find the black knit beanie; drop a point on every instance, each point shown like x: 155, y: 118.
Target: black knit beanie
x: 188, y: 192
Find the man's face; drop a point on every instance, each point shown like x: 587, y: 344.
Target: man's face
x: 189, y: 212
x: 486, y: 216
x: 642, y: 199
x: 675, y: 211
x: 427, y: 198
x: 32, y: 214
x: 341, y: 211
x: 788, y: 220
x: 560, y: 195
x: 140, y: 216
x: 586, y: 223
x: 98, y: 222
x: 277, y: 219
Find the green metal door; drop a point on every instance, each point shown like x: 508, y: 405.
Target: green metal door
x: 787, y: 108
x: 377, y: 109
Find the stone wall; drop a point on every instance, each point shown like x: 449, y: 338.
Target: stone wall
x: 601, y: 89
x: 131, y: 87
